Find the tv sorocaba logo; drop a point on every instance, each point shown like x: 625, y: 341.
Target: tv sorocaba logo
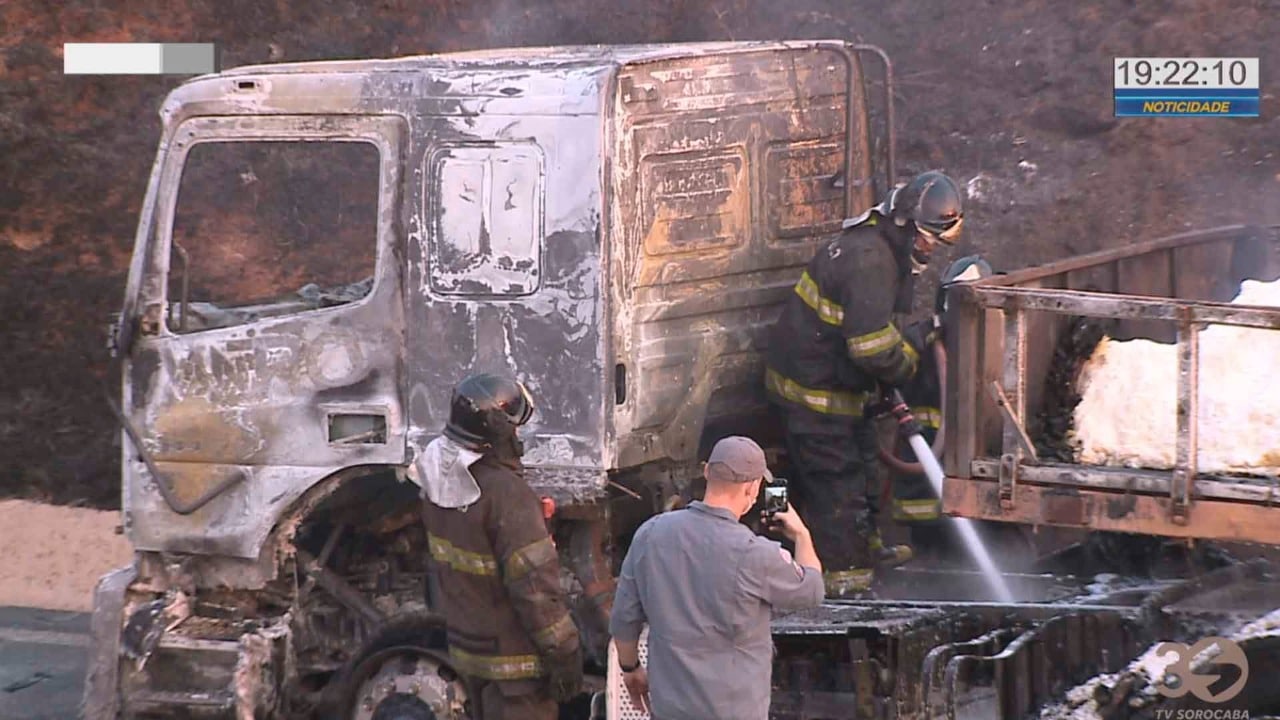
x: 1179, y: 677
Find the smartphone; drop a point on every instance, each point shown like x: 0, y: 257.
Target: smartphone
x: 775, y: 497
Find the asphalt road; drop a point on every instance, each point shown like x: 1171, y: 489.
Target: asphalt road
x: 43, y: 657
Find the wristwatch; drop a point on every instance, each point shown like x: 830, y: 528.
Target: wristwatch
x: 626, y: 669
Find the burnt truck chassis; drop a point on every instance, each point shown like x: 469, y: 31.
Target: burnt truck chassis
x: 939, y: 658
x: 924, y: 652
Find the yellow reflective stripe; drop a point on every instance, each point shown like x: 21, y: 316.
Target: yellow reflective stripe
x: 912, y: 355
x: 556, y: 634
x: 472, y: 563
x: 828, y: 312
x: 874, y: 343
x: 908, y: 510
x: 496, y: 667
x: 830, y: 402
x: 528, y: 558
x: 904, y: 368
x: 928, y: 417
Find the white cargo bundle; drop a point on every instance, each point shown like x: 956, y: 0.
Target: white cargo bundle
x: 1127, y: 414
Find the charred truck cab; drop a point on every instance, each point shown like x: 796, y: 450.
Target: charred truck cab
x: 326, y: 248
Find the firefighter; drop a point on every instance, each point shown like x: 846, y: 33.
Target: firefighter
x: 496, y: 569
x: 915, y: 504
x: 834, y: 341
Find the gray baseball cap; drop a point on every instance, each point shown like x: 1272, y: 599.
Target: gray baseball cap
x: 738, y: 459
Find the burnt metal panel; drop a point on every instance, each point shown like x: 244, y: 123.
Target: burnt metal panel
x: 1043, y: 331
x: 801, y: 196
x: 1136, y: 481
x: 728, y: 173
x: 990, y: 422
x: 1150, y: 275
x: 963, y: 404
x: 1119, y: 306
x: 1258, y: 242
x: 1203, y: 272
x: 1112, y: 511
x: 476, y: 305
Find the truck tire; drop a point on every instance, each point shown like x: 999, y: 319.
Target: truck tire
x: 401, y: 673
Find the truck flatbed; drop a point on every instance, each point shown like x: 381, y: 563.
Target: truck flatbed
x: 1002, y: 337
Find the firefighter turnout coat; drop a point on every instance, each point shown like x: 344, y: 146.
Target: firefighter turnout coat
x: 835, y: 338
x: 499, y: 579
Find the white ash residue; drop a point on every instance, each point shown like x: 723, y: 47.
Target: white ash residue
x: 1268, y: 624
x: 1080, y: 702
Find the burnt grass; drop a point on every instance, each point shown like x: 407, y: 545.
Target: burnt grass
x: 1013, y: 100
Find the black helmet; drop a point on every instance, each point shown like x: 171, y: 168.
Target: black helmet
x: 931, y: 202
x: 972, y: 267
x: 486, y: 409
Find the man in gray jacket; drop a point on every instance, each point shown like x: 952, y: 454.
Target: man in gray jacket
x: 707, y: 586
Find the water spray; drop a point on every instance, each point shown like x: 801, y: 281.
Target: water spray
x: 910, y: 429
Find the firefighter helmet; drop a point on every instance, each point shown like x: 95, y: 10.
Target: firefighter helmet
x: 932, y: 203
x: 972, y: 267
x: 487, y: 408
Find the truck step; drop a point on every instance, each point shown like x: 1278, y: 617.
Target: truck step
x: 184, y: 677
x: 202, y: 704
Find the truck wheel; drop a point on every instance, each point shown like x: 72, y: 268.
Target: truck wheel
x: 403, y: 707
x: 406, y: 683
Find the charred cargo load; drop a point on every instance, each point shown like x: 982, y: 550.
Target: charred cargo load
x: 1018, y: 343
x: 326, y: 248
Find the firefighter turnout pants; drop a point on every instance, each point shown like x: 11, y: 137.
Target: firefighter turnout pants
x: 519, y: 700
x: 833, y: 464
x: 916, y: 505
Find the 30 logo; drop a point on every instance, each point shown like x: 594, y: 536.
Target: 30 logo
x: 1180, y: 679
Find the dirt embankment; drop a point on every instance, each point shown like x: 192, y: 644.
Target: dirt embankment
x: 1013, y: 100
x: 55, y: 555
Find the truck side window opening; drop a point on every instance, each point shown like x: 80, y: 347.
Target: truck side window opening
x: 271, y: 228
x: 487, y: 231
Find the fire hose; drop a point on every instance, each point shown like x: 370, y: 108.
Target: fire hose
x: 909, y: 428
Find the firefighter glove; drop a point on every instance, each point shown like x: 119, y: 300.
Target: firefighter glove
x: 921, y: 334
x: 564, y: 672
x: 877, y: 408
x: 939, y: 329
x: 891, y: 402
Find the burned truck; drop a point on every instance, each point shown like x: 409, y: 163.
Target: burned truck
x: 326, y: 248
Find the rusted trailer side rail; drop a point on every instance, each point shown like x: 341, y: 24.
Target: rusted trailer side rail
x: 1003, y: 337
